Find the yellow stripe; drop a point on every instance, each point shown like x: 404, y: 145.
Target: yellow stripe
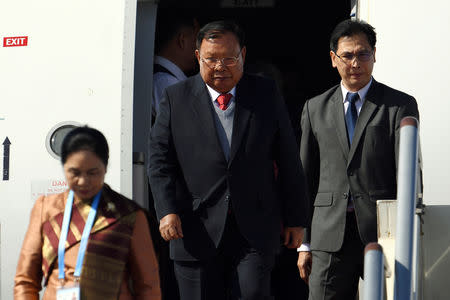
x: 76, y: 232
x: 100, y: 223
x: 55, y: 226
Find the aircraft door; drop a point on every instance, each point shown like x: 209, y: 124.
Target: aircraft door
x: 63, y: 64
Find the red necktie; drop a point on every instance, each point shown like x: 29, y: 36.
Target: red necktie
x: 223, y: 100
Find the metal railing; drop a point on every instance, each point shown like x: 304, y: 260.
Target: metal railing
x: 376, y: 270
x: 408, y: 249
x: 406, y: 206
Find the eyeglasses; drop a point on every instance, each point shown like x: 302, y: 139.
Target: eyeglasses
x: 348, y: 58
x: 212, y: 62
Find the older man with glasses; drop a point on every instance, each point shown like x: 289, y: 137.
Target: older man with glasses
x: 349, y: 151
x: 219, y: 134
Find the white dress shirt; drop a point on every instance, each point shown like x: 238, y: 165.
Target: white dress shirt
x: 161, y: 80
x: 214, y: 94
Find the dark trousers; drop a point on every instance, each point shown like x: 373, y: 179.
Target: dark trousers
x: 237, y: 271
x: 286, y: 281
x: 335, y: 275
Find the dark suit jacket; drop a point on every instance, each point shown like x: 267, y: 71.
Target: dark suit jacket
x: 367, y: 169
x: 190, y: 176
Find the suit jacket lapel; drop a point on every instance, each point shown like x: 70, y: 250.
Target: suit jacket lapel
x: 202, y: 107
x: 339, y: 120
x: 367, y: 110
x: 242, y: 113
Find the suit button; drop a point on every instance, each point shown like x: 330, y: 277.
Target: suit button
x: 350, y: 173
x: 227, y: 198
x: 345, y: 195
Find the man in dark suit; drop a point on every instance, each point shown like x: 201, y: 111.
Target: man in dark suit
x: 349, y: 152
x: 213, y: 149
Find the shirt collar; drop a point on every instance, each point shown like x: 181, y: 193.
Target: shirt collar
x: 214, y: 94
x: 362, y: 92
x: 173, y: 68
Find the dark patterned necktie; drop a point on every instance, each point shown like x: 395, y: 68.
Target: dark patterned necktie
x: 223, y: 100
x: 351, y: 115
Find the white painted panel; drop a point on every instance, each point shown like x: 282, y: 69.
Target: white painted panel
x: 436, y: 256
x: 387, y: 225
x: 412, y: 56
x: 77, y: 66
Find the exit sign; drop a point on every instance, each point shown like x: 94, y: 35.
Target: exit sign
x: 15, y: 41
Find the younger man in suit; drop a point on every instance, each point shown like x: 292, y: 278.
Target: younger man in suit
x: 349, y: 152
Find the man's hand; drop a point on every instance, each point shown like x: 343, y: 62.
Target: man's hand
x: 304, y: 264
x: 293, y: 236
x: 170, y: 227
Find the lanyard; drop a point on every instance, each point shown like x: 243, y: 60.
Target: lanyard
x: 84, y: 236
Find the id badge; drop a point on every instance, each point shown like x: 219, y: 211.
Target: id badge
x: 68, y: 292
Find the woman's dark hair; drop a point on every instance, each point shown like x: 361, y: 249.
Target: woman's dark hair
x: 352, y: 27
x: 85, y: 138
x: 214, y: 30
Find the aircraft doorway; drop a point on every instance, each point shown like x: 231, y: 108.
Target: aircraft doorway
x: 288, y: 41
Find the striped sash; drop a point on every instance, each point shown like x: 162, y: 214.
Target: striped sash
x: 108, y: 246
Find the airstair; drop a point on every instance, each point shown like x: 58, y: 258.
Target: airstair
x: 412, y: 257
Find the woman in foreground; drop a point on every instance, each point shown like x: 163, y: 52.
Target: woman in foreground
x: 89, y: 242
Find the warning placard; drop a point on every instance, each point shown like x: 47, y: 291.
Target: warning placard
x: 47, y: 187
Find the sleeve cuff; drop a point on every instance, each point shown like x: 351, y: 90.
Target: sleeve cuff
x: 304, y: 248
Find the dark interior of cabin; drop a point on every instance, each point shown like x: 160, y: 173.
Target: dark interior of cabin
x: 289, y: 41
